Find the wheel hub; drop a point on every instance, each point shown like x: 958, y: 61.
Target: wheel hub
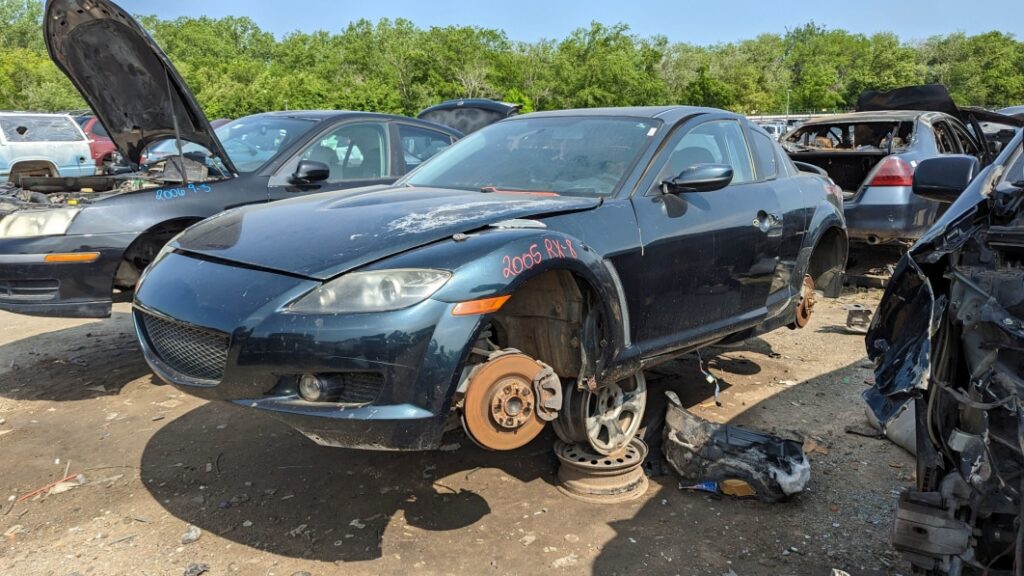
x: 512, y: 403
x: 500, y: 407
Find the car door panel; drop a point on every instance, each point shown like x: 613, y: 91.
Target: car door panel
x: 708, y: 258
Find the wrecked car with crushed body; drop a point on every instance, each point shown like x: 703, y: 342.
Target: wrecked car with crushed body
x: 948, y: 343
x: 872, y: 154
x: 526, y: 275
x: 67, y: 244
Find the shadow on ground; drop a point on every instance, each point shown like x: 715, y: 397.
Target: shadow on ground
x: 253, y: 480
x: 80, y: 363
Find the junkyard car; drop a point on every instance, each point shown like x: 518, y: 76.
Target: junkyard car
x: 948, y: 340
x: 871, y: 154
x: 63, y: 250
x: 42, y: 145
x: 101, y: 147
x: 527, y: 274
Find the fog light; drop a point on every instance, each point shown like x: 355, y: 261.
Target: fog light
x: 311, y: 388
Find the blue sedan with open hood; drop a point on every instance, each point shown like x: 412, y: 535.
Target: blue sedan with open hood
x: 525, y: 275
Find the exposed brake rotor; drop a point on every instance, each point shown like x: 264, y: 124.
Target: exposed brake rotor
x: 806, y: 305
x: 501, y: 410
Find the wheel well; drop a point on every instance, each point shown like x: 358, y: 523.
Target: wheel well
x: 32, y: 168
x: 828, y: 262
x: 142, y: 251
x: 544, y: 319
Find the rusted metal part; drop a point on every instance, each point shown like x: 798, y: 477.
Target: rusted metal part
x: 500, y: 407
x: 548, y: 389
x: 807, y: 301
x: 605, y: 419
x: 602, y: 479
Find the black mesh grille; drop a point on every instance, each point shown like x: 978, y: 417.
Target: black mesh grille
x: 360, y: 387
x: 193, y: 352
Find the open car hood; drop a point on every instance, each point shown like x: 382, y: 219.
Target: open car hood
x: 930, y: 98
x: 323, y: 235
x: 469, y: 114
x: 125, y: 77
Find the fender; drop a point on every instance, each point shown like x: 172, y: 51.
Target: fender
x: 496, y: 262
x: 825, y: 218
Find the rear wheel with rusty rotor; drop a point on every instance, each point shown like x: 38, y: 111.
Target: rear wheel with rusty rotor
x: 806, y: 305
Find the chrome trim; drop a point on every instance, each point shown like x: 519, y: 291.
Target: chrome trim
x: 23, y: 258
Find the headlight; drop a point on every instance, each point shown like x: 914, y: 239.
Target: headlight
x: 372, y: 292
x: 48, y: 222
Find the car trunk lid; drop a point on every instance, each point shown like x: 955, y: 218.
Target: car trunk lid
x: 99, y: 46
x: 469, y: 114
x: 324, y: 235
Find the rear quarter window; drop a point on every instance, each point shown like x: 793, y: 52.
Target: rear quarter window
x: 40, y: 129
x: 764, y: 155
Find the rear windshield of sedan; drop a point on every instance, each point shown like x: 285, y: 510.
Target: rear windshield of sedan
x: 40, y: 129
x: 850, y: 136
x: 573, y: 156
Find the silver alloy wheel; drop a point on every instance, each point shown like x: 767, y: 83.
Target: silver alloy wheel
x: 607, y: 419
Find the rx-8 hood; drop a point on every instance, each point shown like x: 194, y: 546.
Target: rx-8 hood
x: 324, y: 235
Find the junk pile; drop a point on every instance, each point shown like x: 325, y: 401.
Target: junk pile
x: 732, y: 460
x: 717, y: 458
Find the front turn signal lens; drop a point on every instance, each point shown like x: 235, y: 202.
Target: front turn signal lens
x: 482, y: 306
x: 72, y: 257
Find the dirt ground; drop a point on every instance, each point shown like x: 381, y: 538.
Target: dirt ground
x: 76, y: 396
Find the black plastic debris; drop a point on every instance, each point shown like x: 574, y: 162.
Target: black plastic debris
x: 700, y: 451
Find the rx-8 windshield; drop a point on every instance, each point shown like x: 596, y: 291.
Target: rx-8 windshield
x: 572, y: 156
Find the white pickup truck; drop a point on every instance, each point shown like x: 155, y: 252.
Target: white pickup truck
x: 42, y: 145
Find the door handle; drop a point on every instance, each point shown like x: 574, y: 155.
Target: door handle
x: 765, y: 221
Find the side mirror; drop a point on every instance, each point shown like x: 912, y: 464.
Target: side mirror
x: 943, y: 179
x: 309, y: 172
x: 699, y: 178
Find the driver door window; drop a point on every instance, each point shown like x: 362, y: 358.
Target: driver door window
x: 715, y: 142
x: 352, y: 152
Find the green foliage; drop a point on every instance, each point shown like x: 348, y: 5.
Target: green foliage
x: 235, y: 68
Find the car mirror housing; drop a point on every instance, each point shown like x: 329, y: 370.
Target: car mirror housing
x: 309, y: 172
x: 943, y: 179
x: 699, y: 178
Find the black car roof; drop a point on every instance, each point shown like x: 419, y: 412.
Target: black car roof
x: 332, y: 115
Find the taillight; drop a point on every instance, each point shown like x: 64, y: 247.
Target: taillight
x: 893, y: 171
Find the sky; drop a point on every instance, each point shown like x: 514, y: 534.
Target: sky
x: 703, y: 23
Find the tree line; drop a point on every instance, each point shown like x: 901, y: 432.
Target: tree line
x: 235, y: 68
